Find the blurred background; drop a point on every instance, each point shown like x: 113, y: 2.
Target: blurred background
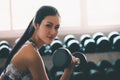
x: 88, y: 26
x: 77, y: 17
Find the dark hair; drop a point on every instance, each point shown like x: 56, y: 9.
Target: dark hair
x: 43, y: 12
x: 40, y: 15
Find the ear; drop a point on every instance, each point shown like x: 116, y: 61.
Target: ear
x: 36, y: 26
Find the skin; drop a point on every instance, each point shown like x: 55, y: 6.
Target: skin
x: 29, y: 59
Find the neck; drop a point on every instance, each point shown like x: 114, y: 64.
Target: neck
x: 36, y: 43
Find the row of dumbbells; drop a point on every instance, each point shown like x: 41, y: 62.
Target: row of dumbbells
x: 103, y: 70
x: 84, y: 70
x: 98, y: 42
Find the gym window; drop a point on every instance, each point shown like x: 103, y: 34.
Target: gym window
x: 18, y: 13
x: 77, y: 16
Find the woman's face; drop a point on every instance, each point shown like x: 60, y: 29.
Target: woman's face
x: 48, y: 29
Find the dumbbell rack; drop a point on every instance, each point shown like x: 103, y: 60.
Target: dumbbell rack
x: 95, y: 57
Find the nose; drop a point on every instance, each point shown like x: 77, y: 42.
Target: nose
x: 53, y: 31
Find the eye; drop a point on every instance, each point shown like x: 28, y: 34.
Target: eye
x: 57, y: 27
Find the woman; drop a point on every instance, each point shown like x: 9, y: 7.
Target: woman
x: 27, y: 61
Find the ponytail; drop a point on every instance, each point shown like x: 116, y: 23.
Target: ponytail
x: 27, y: 34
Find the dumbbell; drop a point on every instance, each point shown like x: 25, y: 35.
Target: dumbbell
x: 103, y: 44
x: 92, y: 71
x: 116, y: 64
x: 62, y: 58
x: 4, y: 49
x: 97, y: 35
x: 73, y: 45
x: 78, y: 76
x: 4, y: 42
x: 91, y: 66
x: 67, y: 38
x: 96, y: 75
x: 112, y: 75
x: 104, y: 65
x: 55, y: 45
x: 84, y: 37
x: 113, y: 72
x: 88, y: 44
x: 112, y: 35
x: 116, y: 43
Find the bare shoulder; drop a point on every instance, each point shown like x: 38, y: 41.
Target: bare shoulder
x: 25, y: 56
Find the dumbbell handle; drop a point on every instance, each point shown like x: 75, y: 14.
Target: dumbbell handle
x: 78, y: 62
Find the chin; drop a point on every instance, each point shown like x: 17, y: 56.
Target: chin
x: 48, y: 42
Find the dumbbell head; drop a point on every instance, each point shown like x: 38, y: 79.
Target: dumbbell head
x: 97, y: 35
x: 103, y: 44
x: 89, y: 46
x: 62, y: 58
x: 69, y: 37
x: 112, y: 75
x: 4, y: 42
x: 91, y: 66
x: 73, y: 46
x: 116, y: 64
x: 116, y: 43
x: 78, y: 76
x: 82, y: 58
x: 4, y: 51
x: 84, y: 37
x: 55, y: 45
x: 112, y: 35
x: 96, y: 75
x: 103, y: 65
x: 94, y: 72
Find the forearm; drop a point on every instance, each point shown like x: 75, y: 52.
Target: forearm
x: 68, y: 71
x: 66, y: 75
x: 0, y: 78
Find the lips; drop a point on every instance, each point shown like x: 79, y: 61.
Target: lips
x: 50, y: 37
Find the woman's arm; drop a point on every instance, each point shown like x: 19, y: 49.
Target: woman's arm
x: 37, y: 69
x: 32, y: 61
x: 0, y: 78
x: 68, y: 71
x: 66, y: 75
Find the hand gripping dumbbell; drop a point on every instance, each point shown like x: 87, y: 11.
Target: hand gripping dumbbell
x: 62, y: 58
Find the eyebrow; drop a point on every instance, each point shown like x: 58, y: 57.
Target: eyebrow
x: 52, y: 23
